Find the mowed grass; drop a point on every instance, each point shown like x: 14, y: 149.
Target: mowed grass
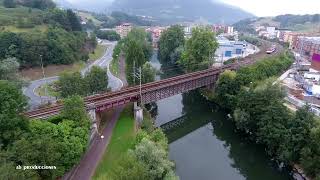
x: 98, y: 52
x: 51, y: 70
x: 114, y: 67
x: 122, y: 140
x: 41, y: 91
x: 88, y: 16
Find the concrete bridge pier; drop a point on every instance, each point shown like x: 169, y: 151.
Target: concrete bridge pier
x: 138, y: 113
x: 93, y: 117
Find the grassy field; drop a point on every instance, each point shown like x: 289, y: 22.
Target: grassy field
x: 11, y: 28
x: 51, y: 70
x: 122, y: 139
x: 114, y: 67
x: 11, y: 16
x: 88, y: 16
x: 98, y: 52
x: 51, y: 92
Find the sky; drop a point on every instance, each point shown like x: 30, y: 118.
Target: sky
x: 277, y: 7
x: 263, y: 7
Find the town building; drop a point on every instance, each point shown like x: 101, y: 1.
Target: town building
x: 123, y: 29
x: 155, y: 34
x: 308, y: 47
x: 223, y: 29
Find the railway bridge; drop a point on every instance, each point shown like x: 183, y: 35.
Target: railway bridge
x: 147, y: 93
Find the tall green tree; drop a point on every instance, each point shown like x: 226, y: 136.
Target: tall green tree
x: 97, y: 80
x: 74, y: 21
x: 72, y: 84
x: 226, y: 89
x: 9, y: 69
x: 300, y: 128
x: 13, y: 102
x: 135, y: 58
x: 170, y: 40
x: 74, y: 109
x: 148, y: 73
x: 199, y: 49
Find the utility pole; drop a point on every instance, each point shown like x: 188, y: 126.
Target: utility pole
x: 134, y: 73
x: 44, y: 77
x: 140, y: 77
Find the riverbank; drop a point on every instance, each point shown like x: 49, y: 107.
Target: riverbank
x: 122, y: 139
x: 257, y: 107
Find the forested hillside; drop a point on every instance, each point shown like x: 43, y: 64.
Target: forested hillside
x: 35, y: 29
x: 303, y: 23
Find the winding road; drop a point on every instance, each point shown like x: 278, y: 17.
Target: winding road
x: 104, y: 62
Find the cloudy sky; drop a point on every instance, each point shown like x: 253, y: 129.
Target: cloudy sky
x: 277, y: 7
x: 261, y: 7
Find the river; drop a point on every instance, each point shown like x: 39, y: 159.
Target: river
x: 203, y: 141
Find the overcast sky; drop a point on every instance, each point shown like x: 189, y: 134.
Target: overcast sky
x: 277, y: 7
x: 262, y: 7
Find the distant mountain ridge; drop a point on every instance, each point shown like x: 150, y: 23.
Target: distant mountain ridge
x: 302, y: 23
x: 170, y: 11
x: 182, y: 10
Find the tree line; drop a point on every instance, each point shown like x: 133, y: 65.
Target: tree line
x: 195, y: 53
x: 38, y: 4
x: 59, y: 141
x: 108, y: 35
x: 62, y: 43
x: 258, y: 109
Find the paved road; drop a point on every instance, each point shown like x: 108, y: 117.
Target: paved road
x: 104, y: 62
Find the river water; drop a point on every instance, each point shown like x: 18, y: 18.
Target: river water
x: 203, y: 141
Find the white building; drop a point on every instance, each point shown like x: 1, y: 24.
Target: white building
x: 230, y: 49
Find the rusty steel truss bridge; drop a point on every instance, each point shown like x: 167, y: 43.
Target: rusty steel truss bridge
x: 150, y: 92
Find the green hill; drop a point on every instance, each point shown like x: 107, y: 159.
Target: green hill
x: 32, y: 33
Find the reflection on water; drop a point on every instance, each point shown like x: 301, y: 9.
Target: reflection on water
x: 205, y: 146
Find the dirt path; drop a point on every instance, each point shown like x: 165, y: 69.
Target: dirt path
x: 86, y: 168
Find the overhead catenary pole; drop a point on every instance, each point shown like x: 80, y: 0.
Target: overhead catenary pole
x: 140, y: 77
x: 44, y: 76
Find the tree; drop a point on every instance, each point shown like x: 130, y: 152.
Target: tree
x: 154, y: 158
x: 108, y: 35
x: 74, y: 109
x: 273, y: 127
x: 300, y: 128
x: 226, y: 89
x: 9, y: 3
x: 148, y: 73
x: 72, y: 84
x: 199, y: 49
x: 13, y: 102
x: 170, y: 40
x: 9, y: 69
x: 97, y: 80
x: 310, y: 155
x: 74, y: 21
x: 134, y: 58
